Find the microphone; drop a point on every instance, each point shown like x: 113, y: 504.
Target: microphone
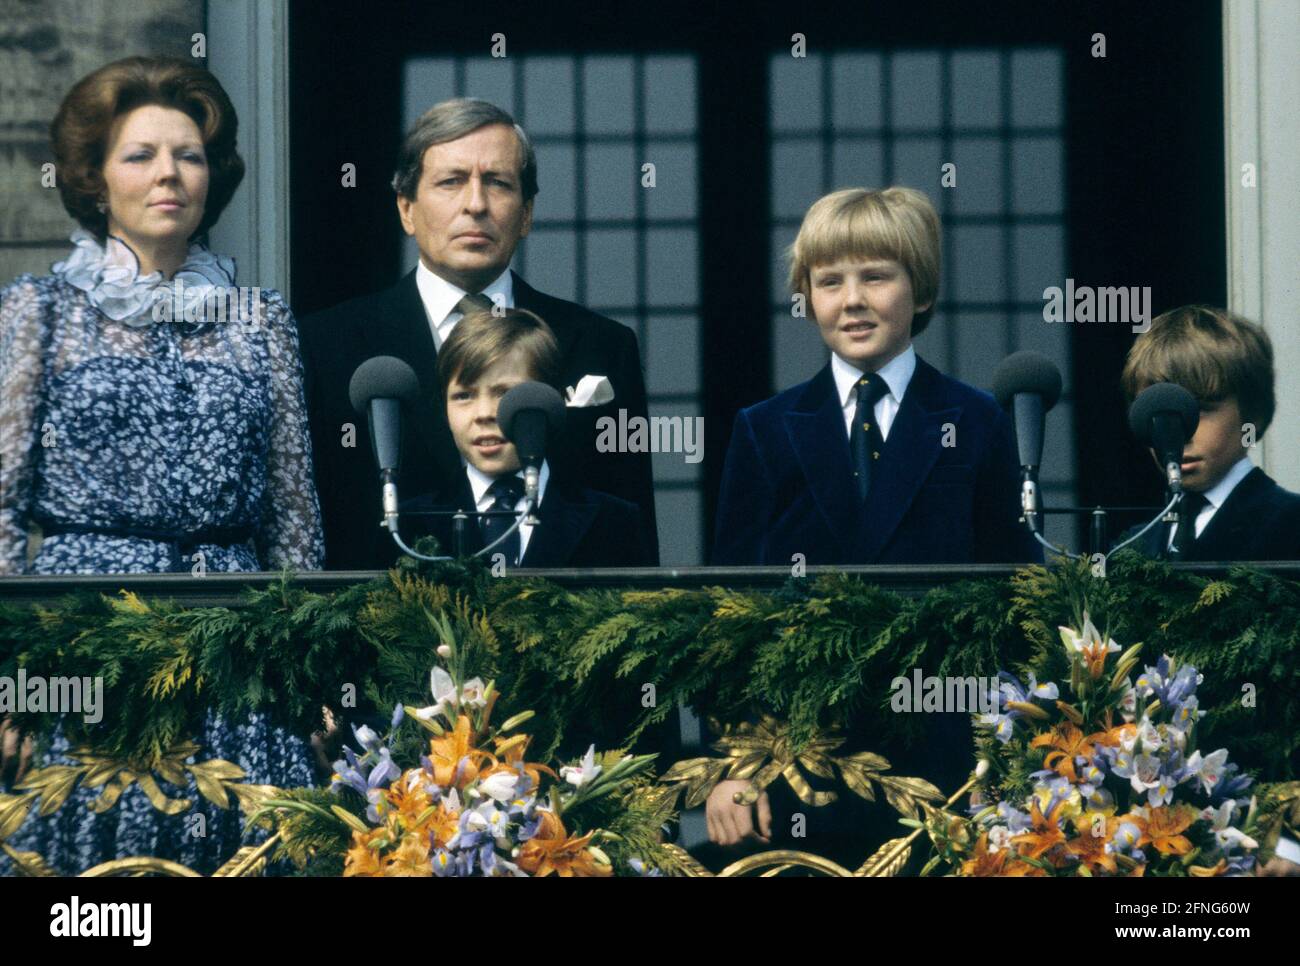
x: 1029, y: 384
x: 531, y: 415
x: 1165, y: 417
x: 379, y: 389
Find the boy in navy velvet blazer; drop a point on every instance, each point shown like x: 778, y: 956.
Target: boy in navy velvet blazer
x: 483, y: 358
x: 1235, y: 511
x: 879, y: 458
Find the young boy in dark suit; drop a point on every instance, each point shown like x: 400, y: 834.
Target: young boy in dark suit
x: 1232, y: 509
x: 485, y: 357
x: 879, y: 458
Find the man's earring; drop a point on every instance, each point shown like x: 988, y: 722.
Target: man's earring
x: 102, y: 205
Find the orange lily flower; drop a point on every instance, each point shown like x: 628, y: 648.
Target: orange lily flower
x: 362, y: 859
x: 551, y: 850
x: 1091, y: 851
x: 1164, y: 828
x: 447, y: 751
x: 1044, y: 836
x: 1067, y: 742
x: 983, y: 862
x: 514, y: 756
x: 411, y: 858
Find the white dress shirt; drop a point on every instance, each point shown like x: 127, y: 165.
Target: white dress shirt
x: 897, y: 373
x: 479, y: 483
x: 440, y: 298
x: 1216, y: 495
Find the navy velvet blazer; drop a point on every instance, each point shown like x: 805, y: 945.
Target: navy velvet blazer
x: 1258, y: 521
x: 787, y: 487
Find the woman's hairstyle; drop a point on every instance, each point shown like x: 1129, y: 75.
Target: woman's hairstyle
x: 481, y: 339
x: 895, y: 223
x: 449, y: 121
x: 1211, y: 353
x: 81, y: 129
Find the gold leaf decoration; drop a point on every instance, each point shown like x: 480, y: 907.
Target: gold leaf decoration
x: 13, y: 811
x: 28, y: 865
x: 888, y: 860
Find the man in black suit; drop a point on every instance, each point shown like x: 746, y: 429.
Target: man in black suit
x: 465, y: 185
x: 1231, y: 509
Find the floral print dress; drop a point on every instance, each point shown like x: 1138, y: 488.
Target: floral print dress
x: 150, y: 426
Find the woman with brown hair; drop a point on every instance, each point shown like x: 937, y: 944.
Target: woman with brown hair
x: 151, y: 413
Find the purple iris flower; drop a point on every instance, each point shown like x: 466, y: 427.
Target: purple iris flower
x: 1182, y: 687
x: 1015, y: 820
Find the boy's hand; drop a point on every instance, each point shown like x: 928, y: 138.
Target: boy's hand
x: 730, y: 823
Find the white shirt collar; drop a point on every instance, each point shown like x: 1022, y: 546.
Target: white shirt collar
x: 897, y: 373
x: 1217, y: 494
x: 440, y: 298
x: 480, y: 481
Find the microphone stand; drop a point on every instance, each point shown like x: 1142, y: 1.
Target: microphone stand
x: 459, y: 518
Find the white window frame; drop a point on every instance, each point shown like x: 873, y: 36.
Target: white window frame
x: 1262, y: 127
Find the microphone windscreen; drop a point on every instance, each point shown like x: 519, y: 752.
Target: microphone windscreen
x: 1163, y: 397
x: 1027, y: 371
x: 382, y: 377
x: 531, y: 396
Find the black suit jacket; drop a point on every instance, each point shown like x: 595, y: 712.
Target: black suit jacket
x: 788, y: 486
x: 393, y: 322
x: 578, y: 527
x: 1258, y: 521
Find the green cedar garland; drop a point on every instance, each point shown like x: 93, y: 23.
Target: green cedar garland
x: 817, y: 652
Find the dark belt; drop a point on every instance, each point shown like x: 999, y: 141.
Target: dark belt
x: 181, y: 544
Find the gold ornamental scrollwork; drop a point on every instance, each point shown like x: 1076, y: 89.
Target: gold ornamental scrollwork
x: 762, y: 753
x: 217, y: 780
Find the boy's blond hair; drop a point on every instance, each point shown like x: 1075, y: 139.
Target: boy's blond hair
x: 1211, y: 353
x: 896, y: 223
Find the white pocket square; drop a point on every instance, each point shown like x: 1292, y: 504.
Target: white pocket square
x: 591, y: 391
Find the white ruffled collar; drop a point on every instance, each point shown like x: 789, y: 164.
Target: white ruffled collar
x: 110, y: 276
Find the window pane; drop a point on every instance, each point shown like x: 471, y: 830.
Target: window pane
x: 914, y: 91
x: 611, y: 280
x: 796, y: 93
x: 978, y: 271
x: 856, y: 87
x: 611, y: 181
x: 976, y: 89
x: 672, y: 267
x: 548, y: 96
x: 979, y: 176
x: 670, y: 95
x: 796, y: 177
x: 676, y: 183
x: 607, y: 83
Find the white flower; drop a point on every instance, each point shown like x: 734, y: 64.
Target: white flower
x: 999, y: 838
x: 444, y: 695
x: 500, y: 786
x: 579, y: 775
x: 1208, y: 769
x: 1226, y: 835
x: 472, y: 693
x: 444, y: 650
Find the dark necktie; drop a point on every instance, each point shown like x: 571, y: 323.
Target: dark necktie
x: 1188, y: 510
x: 474, y: 302
x: 865, y: 438
x: 506, y: 493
